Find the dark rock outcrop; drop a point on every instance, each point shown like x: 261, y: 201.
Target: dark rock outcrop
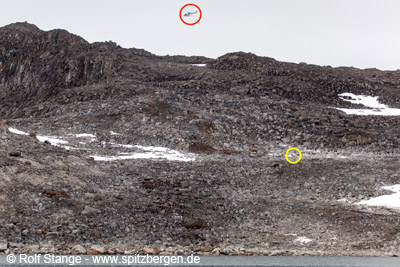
x: 36, y: 64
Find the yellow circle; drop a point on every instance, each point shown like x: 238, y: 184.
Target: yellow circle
x: 288, y: 160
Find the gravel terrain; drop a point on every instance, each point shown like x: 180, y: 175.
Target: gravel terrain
x: 204, y: 145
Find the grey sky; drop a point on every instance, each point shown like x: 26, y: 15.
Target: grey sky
x: 360, y: 33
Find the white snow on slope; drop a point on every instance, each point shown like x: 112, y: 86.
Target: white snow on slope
x: 145, y: 152
x: 300, y: 239
x: 303, y: 239
x: 53, y: 140
x: 149, y: 152
x: 199, y: 65
x: 368, y: 101
x: 16, y: 131
x: 391, y: 201
x: 375, y: 108
x: 114, y: 133
x: 85, y: 135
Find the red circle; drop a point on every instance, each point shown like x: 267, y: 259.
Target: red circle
x: 180, y: 14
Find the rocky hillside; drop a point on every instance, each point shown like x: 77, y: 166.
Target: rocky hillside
x: 43, y: 72
x: 106, y: 149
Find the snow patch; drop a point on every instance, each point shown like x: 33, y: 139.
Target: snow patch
x: 140, y: 152
x: 391, y: 201
x: 368, y: 101
x: 16, y: 131
x: 69, y: 148
x: 199, y: 65
x: 303, y: 239
x: 85, y: 135
x: 53, y: 140
x: 114, y: 133
x: 149, y: 152
x: 375, y: 108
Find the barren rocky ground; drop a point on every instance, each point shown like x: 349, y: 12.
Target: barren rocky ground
x: 228, y: 122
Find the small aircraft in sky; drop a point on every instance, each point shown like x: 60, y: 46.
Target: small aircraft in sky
x: 187, y: 14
